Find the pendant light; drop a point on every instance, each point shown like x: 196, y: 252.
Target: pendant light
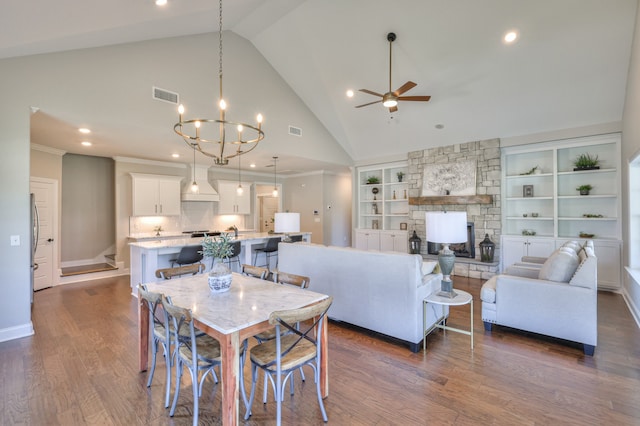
x: 275, y: 174
x: 239, y: 190
x: 194, y: 184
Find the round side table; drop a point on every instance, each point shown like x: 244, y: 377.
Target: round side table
x: 462, y: 298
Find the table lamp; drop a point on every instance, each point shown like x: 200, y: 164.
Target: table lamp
x: 446, y: 228
x: 286, y: 223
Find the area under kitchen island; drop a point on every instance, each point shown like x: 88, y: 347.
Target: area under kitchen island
x: 148, y: 256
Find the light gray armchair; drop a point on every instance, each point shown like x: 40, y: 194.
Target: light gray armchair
x: 557, y: 297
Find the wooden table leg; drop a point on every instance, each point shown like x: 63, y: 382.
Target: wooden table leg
x: 143, y: 334
x: 230, y: 347
x: 324, y: 359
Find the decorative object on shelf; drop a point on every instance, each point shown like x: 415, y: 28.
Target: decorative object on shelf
x: 527, y: 191
x: 591, y: 215
x: 585, y: 235
x: 375, y: 190
x: 524, y: 215
x: 372, y: 180
x: 528, y: 232
x: 487, y: 249
x: 286, y: 223
x: 414, y: 243
x: 158, y: 229
x: 218, y: 248
x: 531, y: 171
x: 451, y: 179
x: 374, y: 224
x: 400, y: 176
x: 394, y: 194
x: 207, y: 138
x: 534, y: 214
x: 374, y: 208
x: 446, y: 228
x: 584, y: 189
x: 403, y: 226
x: 405, y: 194
x: 586, y: 162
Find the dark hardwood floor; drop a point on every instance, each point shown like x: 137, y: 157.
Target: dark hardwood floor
x: 81, y: 368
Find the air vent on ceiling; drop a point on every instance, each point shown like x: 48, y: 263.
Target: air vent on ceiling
x: 165, y: 95
x: 295, y: 131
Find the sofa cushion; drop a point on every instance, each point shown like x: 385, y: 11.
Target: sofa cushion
x: 427, y: 266
x: 488, y: 291
x: 560, y: 266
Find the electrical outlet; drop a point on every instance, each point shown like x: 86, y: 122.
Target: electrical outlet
x: 15, y: 240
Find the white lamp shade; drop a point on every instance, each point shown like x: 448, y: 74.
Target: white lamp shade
x: 446, y: 227
x: 287, y: 222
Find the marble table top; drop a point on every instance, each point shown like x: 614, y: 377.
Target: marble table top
x: 249, y: 301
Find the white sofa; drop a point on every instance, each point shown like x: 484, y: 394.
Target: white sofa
x: 378, y: 291
x: 556, y: 296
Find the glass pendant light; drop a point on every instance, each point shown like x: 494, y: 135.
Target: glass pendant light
x: 275, y: 173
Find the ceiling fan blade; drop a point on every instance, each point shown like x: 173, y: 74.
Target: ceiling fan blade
x: 407, y: 86
x: 371, y: 92
x: 414, y: 98
x: 393, y: 109
x: 370, y: 103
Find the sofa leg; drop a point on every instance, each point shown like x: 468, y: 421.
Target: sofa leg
x: 487, y: 325
x: 415, y: 347
x: 589, y: 349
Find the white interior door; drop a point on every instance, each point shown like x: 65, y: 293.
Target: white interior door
x: 268, y: 209
x: 46, y: 198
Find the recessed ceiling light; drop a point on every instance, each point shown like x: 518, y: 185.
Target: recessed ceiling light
x: 252, y: 165
x: 175, y: 155
x: 510, y: 36
x: 439, y: 126
x: 84, y: 130
x: 349, y: 93
x: 86, y: 143
x: 161, y: 2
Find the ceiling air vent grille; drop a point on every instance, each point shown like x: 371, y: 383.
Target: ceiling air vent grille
x: 295, y: 131
x: 165, y: 95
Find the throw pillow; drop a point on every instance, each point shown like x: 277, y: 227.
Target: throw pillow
x: 428, y: 266
x: 560, y: 266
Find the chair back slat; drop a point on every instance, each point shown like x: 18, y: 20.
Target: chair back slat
x: 291, y: 279
x: 254, y: 271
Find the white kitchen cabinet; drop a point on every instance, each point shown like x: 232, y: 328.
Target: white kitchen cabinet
x: 232, y: 203
x: 155, y: 195
x: 367, y: 239
x: 513, y: 248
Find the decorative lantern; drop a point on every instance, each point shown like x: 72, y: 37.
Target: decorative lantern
x: 414, y: 244
x: 487, y: 249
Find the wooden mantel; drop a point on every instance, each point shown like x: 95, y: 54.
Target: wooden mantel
x: 451, y: 199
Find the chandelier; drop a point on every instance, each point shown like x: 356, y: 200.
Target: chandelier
x: 209, y: 136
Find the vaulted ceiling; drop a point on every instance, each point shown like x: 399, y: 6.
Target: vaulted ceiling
x: 567, y: 69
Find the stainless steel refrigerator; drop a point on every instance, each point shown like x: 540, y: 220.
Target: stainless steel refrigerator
x: 35, y: 234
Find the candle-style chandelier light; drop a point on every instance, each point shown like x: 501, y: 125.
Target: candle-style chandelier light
x: 209, y: 136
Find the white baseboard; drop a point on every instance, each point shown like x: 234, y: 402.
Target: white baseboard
x: 635, y: 312
x: 16, y: 332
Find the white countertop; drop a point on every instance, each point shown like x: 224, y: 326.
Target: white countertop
x: 180, y: 242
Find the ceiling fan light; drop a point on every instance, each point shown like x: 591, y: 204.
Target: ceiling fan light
x: 389, y: 103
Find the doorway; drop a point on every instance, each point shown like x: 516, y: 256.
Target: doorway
x: 268, y: 209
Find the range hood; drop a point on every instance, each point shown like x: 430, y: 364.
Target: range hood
x: 205, y: 190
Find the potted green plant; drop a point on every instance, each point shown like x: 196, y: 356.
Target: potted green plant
x: 584, y: 189
x: 586, y: 162
x: 400, y: 176
x: 218, y: 248
x: 371, y: 180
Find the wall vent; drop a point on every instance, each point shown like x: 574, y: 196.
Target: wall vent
x: 295, y: 131
x: 165, y: 95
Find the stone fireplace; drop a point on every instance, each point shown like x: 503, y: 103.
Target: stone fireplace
x: 483, y: 209
x: 467, y: 249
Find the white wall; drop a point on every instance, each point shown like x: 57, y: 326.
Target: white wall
x: 630, y: 147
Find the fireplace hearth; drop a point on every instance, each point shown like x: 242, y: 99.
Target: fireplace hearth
x: 467, y: 249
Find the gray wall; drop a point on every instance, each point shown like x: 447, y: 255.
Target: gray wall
x: 88, y: 208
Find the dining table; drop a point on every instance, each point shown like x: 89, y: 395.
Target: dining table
x: 231, y: 317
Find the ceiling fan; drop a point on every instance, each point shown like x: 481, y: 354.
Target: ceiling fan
x: 390, y: 99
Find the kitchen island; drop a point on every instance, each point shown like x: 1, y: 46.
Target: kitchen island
x: 148, y: 256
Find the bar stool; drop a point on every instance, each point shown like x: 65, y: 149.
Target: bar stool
x: 270, y: 249
x: 188, y: 255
